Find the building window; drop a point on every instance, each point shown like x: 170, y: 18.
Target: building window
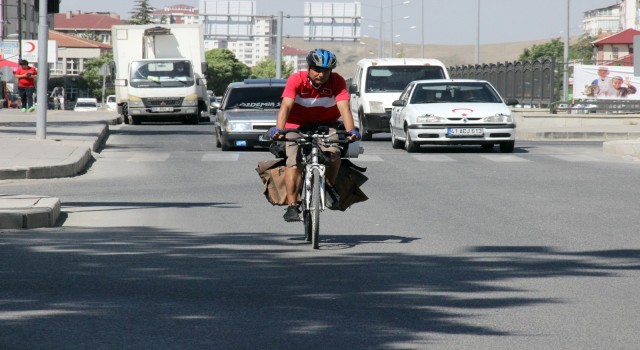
x: 57, y: 68
x: 73, y: 66
x: 614, y: 53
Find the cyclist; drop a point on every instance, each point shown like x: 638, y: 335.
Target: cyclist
x: 316, y: 97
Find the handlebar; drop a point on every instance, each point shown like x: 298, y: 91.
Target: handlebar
x: 314, y: 134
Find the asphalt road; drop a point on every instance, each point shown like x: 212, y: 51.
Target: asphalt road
x: 169, y: 244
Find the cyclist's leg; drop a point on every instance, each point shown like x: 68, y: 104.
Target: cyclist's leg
x: 293, y: 171
x: 334, y: 160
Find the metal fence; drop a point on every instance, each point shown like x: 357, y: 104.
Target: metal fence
x: 532, y: 83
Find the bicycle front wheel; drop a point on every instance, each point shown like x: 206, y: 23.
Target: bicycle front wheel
x: 314, y: 209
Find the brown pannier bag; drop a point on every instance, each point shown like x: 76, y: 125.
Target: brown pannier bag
x: 350, y: 178
x: 348, y: 183
x: 272, y: 174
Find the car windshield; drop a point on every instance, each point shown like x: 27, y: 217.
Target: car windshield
x: 471, y: 92
x: 85, y: 104
x: 255, y: 97
x: 153, y: 74
x: 396, y: 78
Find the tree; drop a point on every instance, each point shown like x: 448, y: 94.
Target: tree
x: 581, y: 50
x: 267, y: 69
x: 224, y: 69
x: 91, y: 79
x: 141, y: 13
x: 90, y: 35
x: 554, y: 49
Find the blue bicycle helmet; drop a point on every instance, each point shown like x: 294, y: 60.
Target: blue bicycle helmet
x: 321, y: 58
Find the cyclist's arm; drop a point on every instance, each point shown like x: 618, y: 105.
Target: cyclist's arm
x: 345, y: 112
x: 283, y: 113
x: 347, y: 117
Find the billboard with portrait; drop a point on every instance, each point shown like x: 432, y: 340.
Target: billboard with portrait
x: 605, y: 82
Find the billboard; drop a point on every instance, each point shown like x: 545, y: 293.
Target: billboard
x: 228, y: 18
x: 605, y: 82
x: 334, y: 21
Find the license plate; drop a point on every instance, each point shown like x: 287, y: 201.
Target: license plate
x: 162, y: 109
x: 461, y: 132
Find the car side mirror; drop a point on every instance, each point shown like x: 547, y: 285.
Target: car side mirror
x: 512, y: 102
x: 399, y: 103
x: 353, y: 89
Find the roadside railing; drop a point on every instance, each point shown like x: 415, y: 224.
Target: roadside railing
x: 597, y: 106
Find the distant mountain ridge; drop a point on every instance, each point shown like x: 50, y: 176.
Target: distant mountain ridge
x: 451, y: 55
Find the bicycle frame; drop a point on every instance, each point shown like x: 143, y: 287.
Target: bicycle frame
x: 312, y: 190
x: 307, y: 176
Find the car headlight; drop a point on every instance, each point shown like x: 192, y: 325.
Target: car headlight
x: 190, y: 101
x: 135, y: 102
x: 499, y: 118
x: 429, y: 118
x: 237, y: 127
x: 376, y: 107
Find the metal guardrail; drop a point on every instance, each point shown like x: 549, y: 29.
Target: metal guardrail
x: 597, y: 106
x: 530, y: 82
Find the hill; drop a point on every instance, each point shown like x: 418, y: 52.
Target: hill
x: 451, y: 55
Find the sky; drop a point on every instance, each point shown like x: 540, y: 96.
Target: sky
x: 446, y: 22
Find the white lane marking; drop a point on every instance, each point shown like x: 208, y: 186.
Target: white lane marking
x: 220, y: 157
x: 149, y: 157
x: 504, y: 158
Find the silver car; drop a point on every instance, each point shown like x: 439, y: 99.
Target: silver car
x: 452, y: 112
x: 247, y: 111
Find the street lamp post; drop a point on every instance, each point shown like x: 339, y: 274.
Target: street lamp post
x: 565, y: 76
x: 478, y: 36
x: 392, y: 19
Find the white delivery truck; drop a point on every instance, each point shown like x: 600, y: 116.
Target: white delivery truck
x: 378, y: 82
x: 160, y: 72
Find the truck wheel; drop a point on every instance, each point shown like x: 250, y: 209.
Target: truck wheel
x: 366, y: 134
x: 192, y: 119
x: 125, y: 113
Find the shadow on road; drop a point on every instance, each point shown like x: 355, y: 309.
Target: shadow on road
x: 143, y: 287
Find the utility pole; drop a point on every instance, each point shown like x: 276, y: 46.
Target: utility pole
x: 43, y: 73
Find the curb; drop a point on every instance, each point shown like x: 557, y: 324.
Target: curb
x: 75, y: 163
x: 30, y: 212
x: 575, y: 135
x: 622, y: 147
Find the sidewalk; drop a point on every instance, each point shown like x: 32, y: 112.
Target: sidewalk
x: 71, y: 137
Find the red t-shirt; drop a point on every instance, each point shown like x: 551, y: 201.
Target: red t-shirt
x: 313, y: 105
x: 26, y: 82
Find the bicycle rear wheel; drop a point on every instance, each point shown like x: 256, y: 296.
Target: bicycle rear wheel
x: 314, y: 210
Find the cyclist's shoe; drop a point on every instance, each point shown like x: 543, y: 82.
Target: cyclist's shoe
x: 332, y: 198
x: 292, y: 214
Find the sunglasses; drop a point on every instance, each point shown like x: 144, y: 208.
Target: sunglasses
x: 320, y: 70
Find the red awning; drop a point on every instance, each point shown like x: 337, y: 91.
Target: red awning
x: 7, y: 63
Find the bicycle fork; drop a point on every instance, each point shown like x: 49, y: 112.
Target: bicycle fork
x: 308, y: 180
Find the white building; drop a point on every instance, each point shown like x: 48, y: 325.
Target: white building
x: 178, y: 14
x: 606, y: 20
x: 234, y: 25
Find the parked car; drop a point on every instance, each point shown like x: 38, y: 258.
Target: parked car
x: 452, y: 112
x: 86, y: 105
x: 247, y: 111
x: 214, y: 103
x: 111, y: 103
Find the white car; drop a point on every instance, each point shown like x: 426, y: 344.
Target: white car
x: 86, y: 105
x: 452, y: 112
x: 111, y: 103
